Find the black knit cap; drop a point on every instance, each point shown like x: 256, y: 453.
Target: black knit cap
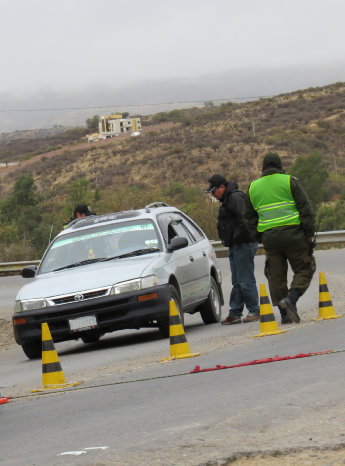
x: 214, y: 182
x: 271, y: 160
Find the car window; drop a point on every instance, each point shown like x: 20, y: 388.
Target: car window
x: 100, y: 242
x: 172, y: 224
x: 164, y: 222
x: 195, y: 231
x: 177, y: 226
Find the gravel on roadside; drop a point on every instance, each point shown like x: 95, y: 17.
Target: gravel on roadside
x: 334, y: 456
x: 6, y: 335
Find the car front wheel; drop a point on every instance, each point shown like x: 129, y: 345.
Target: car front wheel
x: 164, y: 325
x: 33, y: 349
x: 211, y: 309
x: 174, y: 294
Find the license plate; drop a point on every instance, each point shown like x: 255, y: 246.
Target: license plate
x: 83, y: 323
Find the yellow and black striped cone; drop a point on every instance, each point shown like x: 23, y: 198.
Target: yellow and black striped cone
x: 326, y: 309
x: 179, y: 348
x: 268, y: 323
x: 52, y: 374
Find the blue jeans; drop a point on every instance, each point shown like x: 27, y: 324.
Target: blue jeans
x: 244, y: 291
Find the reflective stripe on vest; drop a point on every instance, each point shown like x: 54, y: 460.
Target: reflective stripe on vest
x: 272, y: 199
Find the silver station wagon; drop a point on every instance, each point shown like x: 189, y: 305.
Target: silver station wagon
x: 118, y: 271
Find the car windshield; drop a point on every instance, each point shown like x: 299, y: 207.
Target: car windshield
x: 106, y: 242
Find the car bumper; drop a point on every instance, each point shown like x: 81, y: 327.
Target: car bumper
x: 116, y: 312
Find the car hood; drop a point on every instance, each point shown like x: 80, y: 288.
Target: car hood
x: 86, y: 277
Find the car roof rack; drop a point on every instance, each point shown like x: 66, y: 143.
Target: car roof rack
x: 99, y: 219
x: 155, y: 204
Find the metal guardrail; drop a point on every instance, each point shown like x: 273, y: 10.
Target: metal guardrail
x: 325, y: 238
x: 12, y: 268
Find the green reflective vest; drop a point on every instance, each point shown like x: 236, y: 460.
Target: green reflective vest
x: 272, y: 199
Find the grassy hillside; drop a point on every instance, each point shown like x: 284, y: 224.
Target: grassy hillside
x: 231, y: 139
x: 173, y: 162
x: 23, y: 145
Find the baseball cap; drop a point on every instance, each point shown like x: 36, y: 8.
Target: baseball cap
x: 214, y: 182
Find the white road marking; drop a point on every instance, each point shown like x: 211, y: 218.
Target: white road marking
x: 75, y: 453
x: 96, y: 448
x: 81, y: 452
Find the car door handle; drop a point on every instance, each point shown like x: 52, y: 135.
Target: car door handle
x: 191, y: 258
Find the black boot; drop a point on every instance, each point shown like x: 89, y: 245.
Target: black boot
x: 284, y: 316
x: 288, y: 304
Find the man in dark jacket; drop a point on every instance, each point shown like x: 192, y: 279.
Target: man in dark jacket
x: 242, y: 249
x: 279, y: 214
x: 82, y: 210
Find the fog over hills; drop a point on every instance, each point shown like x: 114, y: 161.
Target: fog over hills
x: 71, y: 108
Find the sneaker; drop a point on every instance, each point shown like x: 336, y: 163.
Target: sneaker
x: 290, y: 308
x: 231, y: 320
x: 251, y: 318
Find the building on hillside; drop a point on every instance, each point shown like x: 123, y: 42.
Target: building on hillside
x: 113, y: 125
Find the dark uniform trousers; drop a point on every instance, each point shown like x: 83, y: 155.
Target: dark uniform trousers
x: 276, y: 267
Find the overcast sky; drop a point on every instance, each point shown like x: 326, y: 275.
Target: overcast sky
x: 53, y: 47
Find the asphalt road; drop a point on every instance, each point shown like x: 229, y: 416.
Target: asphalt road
x: 131, y: 408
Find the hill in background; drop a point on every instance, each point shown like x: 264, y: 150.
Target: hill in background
x: 230, y: 138
x: 171, y: 161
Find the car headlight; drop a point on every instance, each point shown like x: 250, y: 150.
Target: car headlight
x: 29, y: 305
x: 134, y: 285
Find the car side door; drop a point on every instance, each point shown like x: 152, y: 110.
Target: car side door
x: 201, y: 251
x: 183, y: 263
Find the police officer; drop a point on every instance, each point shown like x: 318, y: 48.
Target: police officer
x: 279, y: 214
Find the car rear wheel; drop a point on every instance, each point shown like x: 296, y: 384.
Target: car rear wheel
x: 164, y: 325
x: 33, y: 349
x: 211, y: 309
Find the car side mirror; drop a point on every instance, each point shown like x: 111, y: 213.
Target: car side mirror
x: 29, y: 271
x: 176, y: 243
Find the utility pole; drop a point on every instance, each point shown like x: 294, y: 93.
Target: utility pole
x: 335, y: 164
x: 253, y: 126
x: 252, y: 121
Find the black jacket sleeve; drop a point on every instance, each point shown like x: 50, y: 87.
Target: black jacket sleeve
x: 241, y: 233
x: 304, y: 207
x: 251, y: 218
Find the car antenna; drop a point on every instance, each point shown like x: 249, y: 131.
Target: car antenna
x: 50, y: 235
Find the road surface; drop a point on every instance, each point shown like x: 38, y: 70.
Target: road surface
x: 130, y: 408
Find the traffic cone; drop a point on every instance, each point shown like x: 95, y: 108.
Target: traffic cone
x: 326, y: 309
x: 179, y: 348
x: 3, y: 400
x: 52, y: 374
x: 268, y: 323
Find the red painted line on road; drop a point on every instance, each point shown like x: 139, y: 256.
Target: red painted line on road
x: 264, y: 361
